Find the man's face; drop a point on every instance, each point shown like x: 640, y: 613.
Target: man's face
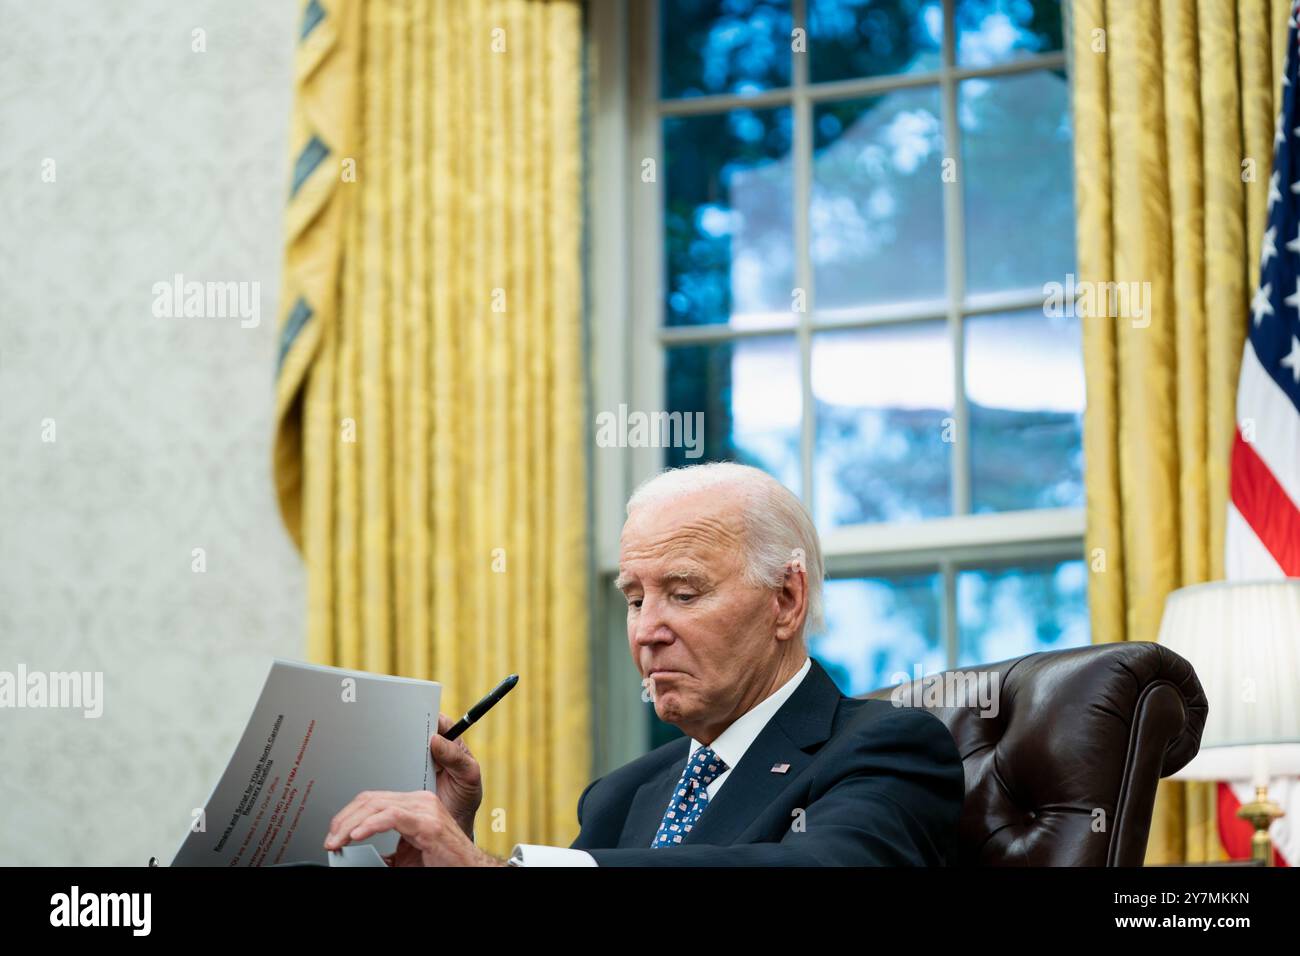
x: 695, y: 627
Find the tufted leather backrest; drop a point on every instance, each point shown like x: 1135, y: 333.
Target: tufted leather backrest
x: 1063, y: 770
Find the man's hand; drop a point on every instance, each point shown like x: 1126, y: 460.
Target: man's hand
x: 458, y: 780
x: 429, y: 834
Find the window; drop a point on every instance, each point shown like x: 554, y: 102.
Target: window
x: 839, y: 258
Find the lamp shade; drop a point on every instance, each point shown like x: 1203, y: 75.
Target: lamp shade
x: 1243, y: 640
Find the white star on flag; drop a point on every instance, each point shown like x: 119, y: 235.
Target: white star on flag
x: 1293, y: 299
x: 1294, y: 244
x: 1261, y: 305
x: 1268, y: 249
x: 1292, y: 361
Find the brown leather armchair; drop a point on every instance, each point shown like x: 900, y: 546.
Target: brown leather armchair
x: 1074, y: 731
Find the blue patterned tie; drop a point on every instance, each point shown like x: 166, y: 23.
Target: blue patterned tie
x: 689, y: 799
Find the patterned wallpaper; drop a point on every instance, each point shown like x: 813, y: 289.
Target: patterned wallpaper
x: 166, y: 160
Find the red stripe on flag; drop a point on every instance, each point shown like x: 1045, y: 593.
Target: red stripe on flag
x: 1271, y: 514
x: 1234, y: 832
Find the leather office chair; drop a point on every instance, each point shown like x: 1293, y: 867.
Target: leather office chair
x: 1074, y: 730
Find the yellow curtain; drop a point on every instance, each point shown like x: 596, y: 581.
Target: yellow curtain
x: 430, y: 453
x: 1174, y: 108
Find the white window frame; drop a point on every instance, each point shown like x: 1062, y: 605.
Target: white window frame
x: 628, y: 338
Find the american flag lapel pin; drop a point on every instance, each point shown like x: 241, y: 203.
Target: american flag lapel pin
x: 780, y: 767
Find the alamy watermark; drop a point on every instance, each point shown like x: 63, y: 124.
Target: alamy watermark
x: 54, y: 690
x: 973, y: 689
x: 208, y: 300
x: 129, y: 910
x: 1117, y: 300
x: 626, y: 429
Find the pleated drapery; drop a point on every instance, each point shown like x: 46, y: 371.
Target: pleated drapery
x: 430, y: 456
x: 1174, y: 110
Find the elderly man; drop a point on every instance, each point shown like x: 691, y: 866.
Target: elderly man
x: 722, y: 571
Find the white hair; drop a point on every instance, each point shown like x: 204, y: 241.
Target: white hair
x: 778, y: 527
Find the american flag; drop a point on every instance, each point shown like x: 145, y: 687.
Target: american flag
x: 1263, y: 527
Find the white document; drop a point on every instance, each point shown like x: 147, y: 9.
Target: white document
x: 317, y: 737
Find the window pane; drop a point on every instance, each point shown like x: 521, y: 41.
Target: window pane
x: 1009, y: 611
x: 995, y: 31
x: 748, y: 392
x: 1024, y: 387
x: 723, y: 46
x: 853, y: 38
x: 1019, y: 192
x: 878, y: 628
x: 884, y: 401
x: 728, y: 219
x: 877, y: 200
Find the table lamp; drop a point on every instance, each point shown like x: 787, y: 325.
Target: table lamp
x: 1243, y: 640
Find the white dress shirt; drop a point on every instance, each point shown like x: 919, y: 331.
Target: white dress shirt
x: 730, y: 745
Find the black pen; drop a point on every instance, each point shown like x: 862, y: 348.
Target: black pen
x: 482, y: 707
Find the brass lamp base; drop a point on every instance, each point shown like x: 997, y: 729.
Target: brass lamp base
x: 1261, y: 812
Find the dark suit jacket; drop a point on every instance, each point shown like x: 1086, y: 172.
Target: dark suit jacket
x: 879, y: 784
